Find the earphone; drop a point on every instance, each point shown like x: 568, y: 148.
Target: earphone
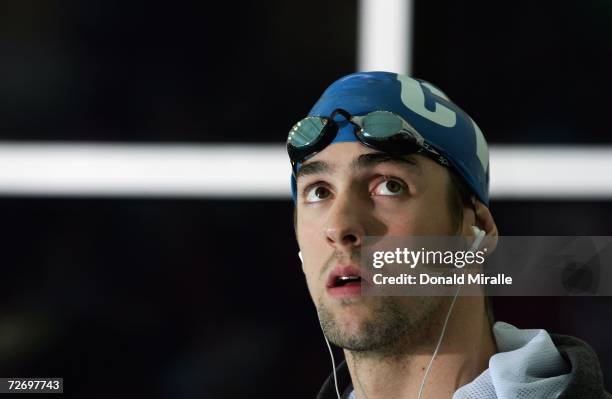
x: 479, y: 235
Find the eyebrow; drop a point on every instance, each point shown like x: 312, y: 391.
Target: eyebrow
x: 370, y: 160
x: 364, y: 161
x: 314, y: 168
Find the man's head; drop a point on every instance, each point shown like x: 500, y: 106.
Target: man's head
x: 349, y: 189
x: 429, y: 115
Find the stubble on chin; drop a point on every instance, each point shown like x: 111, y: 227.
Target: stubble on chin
x: 391, y: 328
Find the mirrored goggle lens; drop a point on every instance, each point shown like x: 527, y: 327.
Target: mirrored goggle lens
x: 306, y: 131
x: 381, y: 124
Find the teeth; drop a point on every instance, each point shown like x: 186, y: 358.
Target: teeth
x: 342, y: 280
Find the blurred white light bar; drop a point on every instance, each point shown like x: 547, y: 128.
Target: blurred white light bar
x: 157, y: 170
x: 262, y: 171
x: 555, y: 172
x: 384, y: 39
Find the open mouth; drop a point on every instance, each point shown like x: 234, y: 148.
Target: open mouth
x: 345, y: 281
x: 341, y: 281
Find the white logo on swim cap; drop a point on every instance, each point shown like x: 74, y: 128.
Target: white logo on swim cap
x: 413, y: 97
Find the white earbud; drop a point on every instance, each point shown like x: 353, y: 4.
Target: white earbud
x: 477, y: 230
x: 478, y: 237
x: 300, y: 256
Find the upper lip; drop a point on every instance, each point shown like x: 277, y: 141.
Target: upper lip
x: 343, y: 270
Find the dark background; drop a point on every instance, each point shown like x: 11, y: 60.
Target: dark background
x: 205, y: 298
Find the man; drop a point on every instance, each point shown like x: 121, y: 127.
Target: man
x: 383, y: 154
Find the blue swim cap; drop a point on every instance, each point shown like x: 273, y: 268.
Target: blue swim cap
x: 442, y: 124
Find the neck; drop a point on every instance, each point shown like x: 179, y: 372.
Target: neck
x: 463, y: 355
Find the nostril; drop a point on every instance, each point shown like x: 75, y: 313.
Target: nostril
x: 350, y: 238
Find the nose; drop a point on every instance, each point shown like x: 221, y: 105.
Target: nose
x: 344, y: 229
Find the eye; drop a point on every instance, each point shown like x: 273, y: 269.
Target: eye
x: 389, y: 187
x: 317, y: 193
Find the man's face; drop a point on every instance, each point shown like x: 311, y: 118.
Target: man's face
x: 349, y: 191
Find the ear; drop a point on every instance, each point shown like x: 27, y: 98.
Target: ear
x: 484, y: 220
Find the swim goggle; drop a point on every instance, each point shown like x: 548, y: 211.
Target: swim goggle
x: 381, y: 130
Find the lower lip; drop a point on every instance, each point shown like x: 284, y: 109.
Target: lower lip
x: 345, y: 291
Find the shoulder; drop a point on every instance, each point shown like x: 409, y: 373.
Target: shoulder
x: 586, y: 375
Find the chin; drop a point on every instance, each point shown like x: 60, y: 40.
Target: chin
x: 352, y: 317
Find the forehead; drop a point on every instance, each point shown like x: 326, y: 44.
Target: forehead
x: 353, y: 156
x: 341, y: 152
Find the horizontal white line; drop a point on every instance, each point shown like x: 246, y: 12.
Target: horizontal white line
x: 173, y: 170
x: 565, y: 172
x: 262, y: 171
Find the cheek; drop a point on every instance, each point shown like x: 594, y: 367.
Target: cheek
x: 423, y: 218
x: 308, y: 233
x: 312, y: 243
x: 312, y: 273
x: 437, y: 220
